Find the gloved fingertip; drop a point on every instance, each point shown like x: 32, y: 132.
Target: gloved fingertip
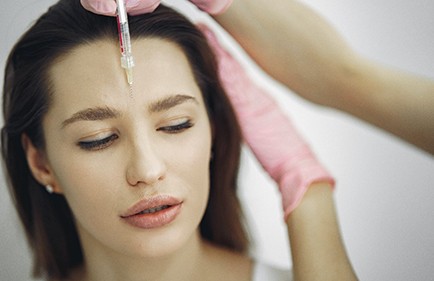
x: 222, y: 9
x: 100, y: 7
x: 111, y: 13
x: 136, y: 7
x: 213, y: 7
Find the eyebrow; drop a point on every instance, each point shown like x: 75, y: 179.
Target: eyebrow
x: 92, y: 114
x: 169, y: 102
x: 102, y: 113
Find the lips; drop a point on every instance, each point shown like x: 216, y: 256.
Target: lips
x: 153, y: 212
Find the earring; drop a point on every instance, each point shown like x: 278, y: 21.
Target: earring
x: 49, y: 188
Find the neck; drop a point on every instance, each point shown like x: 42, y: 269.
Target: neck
x: 104, y: 264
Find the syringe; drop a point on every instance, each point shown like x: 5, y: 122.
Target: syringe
x: 127, y: 60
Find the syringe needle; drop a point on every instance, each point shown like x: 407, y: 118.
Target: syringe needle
x: 129, y: 72
x: 127, y: 60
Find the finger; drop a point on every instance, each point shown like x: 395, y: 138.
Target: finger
x: 101, y: 7
x: 212, y: 7
x: 138, y: 7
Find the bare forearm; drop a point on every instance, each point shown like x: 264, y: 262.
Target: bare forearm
x: 290, y: 42
x: 317, y: 249
x: 301, y: 50
x: 396, y: 101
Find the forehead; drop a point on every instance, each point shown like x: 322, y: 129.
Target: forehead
x: 91, y: 75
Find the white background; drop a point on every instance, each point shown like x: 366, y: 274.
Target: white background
x: 385, y: 188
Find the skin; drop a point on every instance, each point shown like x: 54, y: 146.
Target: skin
x: 144, y: 154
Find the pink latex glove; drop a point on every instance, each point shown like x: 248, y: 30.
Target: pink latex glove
x: 212, y: 7
x: 137, y: 7
x: 268, y: 131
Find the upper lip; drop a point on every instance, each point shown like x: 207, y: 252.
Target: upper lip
x: 149, y: 203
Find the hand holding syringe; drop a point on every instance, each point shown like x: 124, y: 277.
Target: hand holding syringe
x: 127, y: 60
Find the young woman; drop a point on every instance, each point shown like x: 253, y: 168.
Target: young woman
x: 113, y: 183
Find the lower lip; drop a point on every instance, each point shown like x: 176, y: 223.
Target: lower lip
x: 154, y: 220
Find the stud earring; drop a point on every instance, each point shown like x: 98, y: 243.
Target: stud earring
x: 49, y: 188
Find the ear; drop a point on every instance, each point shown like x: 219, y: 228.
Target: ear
x: 38, y: 164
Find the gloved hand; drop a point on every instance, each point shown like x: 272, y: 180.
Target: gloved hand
x: 136, y: 7
x: 268, y: 131
x: 108, y: 7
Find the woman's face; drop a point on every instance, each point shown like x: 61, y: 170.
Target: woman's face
x: 115, y: 153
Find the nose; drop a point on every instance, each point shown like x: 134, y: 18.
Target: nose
x: 145, y: 165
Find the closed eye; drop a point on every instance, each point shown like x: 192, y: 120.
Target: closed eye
x: 177, y: 128
x: 97, y: 144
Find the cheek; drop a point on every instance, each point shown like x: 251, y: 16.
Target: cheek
x: 194, y: 156
x: 84, y: 184
x: 93, y: 194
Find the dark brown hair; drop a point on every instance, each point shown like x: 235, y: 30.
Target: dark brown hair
x: 47, y: 219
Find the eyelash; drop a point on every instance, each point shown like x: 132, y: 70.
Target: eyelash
x: 105, y: 142
x: 178, y: 128
x: 97, y: 144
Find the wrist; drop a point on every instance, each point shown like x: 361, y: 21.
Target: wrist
x: 318, y: 196
x: 316, y: 204
x: 294, y: 185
